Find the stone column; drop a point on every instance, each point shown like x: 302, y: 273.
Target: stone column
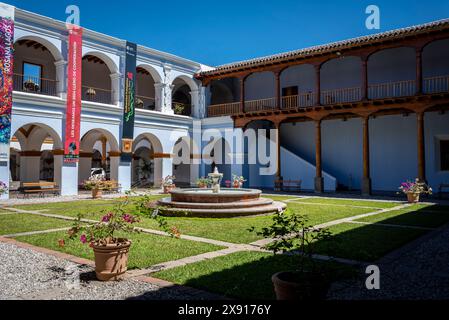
x: 67, y: 177
x: 61, y: 78
x: 195, y: 101
x: 4, y: 168
x: 366, y: 179
x: 421, y: 148
x: 124, y: 173
x: 158, y: 96
x: 319, y: 181
x: 85, y: 164
x: 30, y: 166
x: 115, y: 87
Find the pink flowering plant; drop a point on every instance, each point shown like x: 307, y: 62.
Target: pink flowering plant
x: 415, y: 187
x: 105, y: 231
x: 3, y: 188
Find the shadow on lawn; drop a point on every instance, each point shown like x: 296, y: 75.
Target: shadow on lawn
x: 247, y: 275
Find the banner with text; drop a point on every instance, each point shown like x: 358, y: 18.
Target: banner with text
x: 73, y: 112
x: 129, y: 103
x: 6, y: 74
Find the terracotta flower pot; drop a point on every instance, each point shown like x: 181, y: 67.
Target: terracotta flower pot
x: 97, y: 193
x: 236, y: 185
x: 413, y: 197
x: 293, y: 286
x: 111, y: 261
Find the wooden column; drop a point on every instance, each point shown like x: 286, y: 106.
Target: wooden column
x: 364, y: 78
x: 242, y: 94
x: 277, y: 75
x: 421, y: 150
x: 419, y: 78
x: 278, y: 170
x: 319, y: 181
x: 103, y: 150
x: 366, y: 179
x: 318, y: 84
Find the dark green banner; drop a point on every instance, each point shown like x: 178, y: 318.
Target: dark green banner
x: 129, y: 103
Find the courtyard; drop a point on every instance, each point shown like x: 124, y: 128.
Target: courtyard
x: 211, y: 257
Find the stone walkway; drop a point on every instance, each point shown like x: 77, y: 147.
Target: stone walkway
x: 417, y: 271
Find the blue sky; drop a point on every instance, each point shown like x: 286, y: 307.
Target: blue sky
x: 218, y: 32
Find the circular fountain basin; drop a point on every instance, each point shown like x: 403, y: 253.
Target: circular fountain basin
x: 226, y: 203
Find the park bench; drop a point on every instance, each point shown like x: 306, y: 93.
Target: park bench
x: 287, y: 185
x: 440, y: 189
x: 40, y: 188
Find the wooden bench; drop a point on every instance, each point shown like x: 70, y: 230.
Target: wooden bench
x: 440, y: 189
x: 40, y: 188
x: 287, y: 185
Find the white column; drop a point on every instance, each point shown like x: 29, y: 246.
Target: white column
x: 195, y: 101
x: 30, y: 168
x: 67, y: 177
x: 61, y: 78
x: 115, y: 86
x: 124, y: 175
x: 4, y: 168
x: 167, y: 106
x: 158, y: 96
x: 167, y: 167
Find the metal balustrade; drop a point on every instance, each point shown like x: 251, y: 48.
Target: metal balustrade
x: 392, y: 89
x: 96, y: 95
x: 37, y: 85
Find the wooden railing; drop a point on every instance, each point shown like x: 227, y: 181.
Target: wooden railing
x: 436, y: 84
x: 392, y: 89
x: 223, y: 109
x: 298, y: 101
x: 96, y: 95
x: 341, y: 95
x: 260, y: 105
x: 30, y: 84
x: 146, y: 103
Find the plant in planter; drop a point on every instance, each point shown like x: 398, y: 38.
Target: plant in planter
x: 3, y: 188
x: 291, y: 232
x: 237, y: 181
x: 203, y: 182
x: 228, y: 183
x: 110, y: 251
x: 413, y: 190
x: 168, y: 183
x: 96, y: 184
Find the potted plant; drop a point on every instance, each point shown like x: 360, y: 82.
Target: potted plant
x: 291, y: 232
x: 228, y: 183
x: 3, y: 188
x: 168, y: 183
x: 202, y: 182
x: 237, y: 181
x: 96, y: 183
x: 110, y: 250
x: 413, y: 190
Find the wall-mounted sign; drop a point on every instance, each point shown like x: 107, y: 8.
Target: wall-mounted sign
x: 73, y: 112
x: 129, y: 103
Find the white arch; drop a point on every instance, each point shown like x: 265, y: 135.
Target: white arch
x: 45, y: 129
x: 88, y: 140
x: 55, y: 52
x: 110, y: 63
x: 155, y: 142
x: 152, y: 70
x: 188, y: 80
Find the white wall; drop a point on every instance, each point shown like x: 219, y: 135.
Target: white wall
x: 260, y: 85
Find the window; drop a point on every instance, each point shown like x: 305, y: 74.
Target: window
x: 290, y: 91
x: 444, y: 155
x: 32, y: 77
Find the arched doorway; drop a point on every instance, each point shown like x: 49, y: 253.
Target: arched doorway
x: 147, y: 161
x: 98, y: 80
x: 181, y: 163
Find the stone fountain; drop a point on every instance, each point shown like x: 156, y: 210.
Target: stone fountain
x: 218, y: 202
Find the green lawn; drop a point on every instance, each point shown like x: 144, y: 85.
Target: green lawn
x: 346, y: 202
x: 18, y: 223
x: 365, y: 242
x: 146, y: 249
x: 245, y: 275
x: 415, y: 215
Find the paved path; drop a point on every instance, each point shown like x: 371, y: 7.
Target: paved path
x: 417, y: 271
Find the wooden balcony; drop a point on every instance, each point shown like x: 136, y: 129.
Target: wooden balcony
x: 398, y: 89
x: 25, y: 83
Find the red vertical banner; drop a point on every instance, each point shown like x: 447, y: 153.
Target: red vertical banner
x: 73, y: 112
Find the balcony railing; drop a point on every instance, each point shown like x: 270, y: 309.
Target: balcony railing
x: 260, y: 105
x: 146, y: 103
x: 223, y: 109
x: 30, y: 84
x: 392, y: 89
x: 341, y: 95
x: 436, y: 84
x: 298, y: 101
x: 96, y: 95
